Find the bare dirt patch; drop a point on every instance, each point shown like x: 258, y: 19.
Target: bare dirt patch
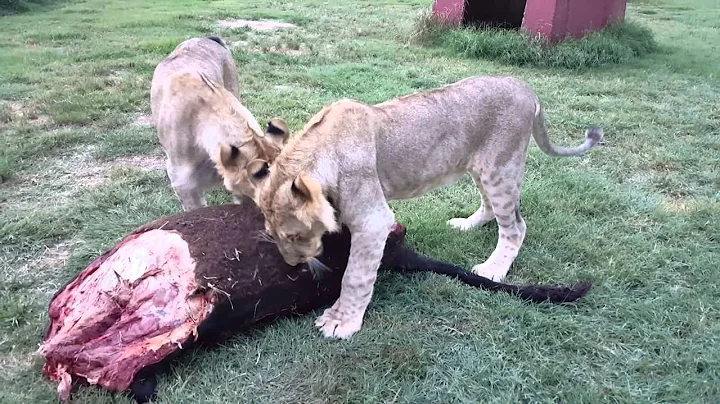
x: 688, y: 205
x: 16, y: 111
x: 675, y: 205
x: 49, y: 266
x: 150, y: 162
x: 58, y: 181
x: 681, y: 205
x: 39, y: 267
x: 665, y: 167
x: 261, y: 25
x: 640, y: 178
x: 284, y: 49
x: 65, y: 177
x: 56, y: 256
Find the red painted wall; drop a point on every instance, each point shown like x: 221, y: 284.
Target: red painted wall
x: 450, y: 10
x: 556, y: 19
x: 553, y: 19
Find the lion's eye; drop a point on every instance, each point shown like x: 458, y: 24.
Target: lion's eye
x: 297, y: 238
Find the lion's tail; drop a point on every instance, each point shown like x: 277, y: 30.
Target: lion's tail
x: 593, y: 135
x: 410, y: 261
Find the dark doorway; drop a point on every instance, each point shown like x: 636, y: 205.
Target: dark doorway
x: 494, y: 13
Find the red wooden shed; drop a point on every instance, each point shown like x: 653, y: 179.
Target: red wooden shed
x: 553, y: 19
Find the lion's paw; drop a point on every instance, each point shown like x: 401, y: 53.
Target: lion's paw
x: 335, y: 324
x: 460, y: 223
x: 490, y: 271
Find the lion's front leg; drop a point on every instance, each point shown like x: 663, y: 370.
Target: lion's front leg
x: 345, y: 317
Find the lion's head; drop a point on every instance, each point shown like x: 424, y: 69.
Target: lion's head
x: 223, y: 124
x: 253, y: 144
x: 297, y: 214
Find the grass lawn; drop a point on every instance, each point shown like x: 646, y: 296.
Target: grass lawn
x: 639, y: 216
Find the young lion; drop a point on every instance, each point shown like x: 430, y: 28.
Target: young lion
x: 207, y: 134
x: 351, y: 158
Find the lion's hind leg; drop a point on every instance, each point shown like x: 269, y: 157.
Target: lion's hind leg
x: 502, y: 186
x: 481, y: 216
x: 190, y: 181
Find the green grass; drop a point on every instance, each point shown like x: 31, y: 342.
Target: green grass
x: 639, y: 216
x: 616, y: 44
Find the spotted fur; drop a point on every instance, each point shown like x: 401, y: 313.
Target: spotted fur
x: 351, y: 158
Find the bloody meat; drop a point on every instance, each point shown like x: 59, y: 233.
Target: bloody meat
x: 201, y: 276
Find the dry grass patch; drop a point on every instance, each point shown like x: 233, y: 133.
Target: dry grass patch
x: 262, y: 25
x: 143, y: 162
x: 684, y: 205
x: 18, y: 112
x: 291, y: 49
x: 56, y: 256
x: 64, y: 178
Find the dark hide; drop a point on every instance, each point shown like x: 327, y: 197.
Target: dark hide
x: 240, y: 281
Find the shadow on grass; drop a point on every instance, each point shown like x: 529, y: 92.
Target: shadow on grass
x: 8, y: 7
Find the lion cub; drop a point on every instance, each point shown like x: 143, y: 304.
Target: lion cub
x: 351, y: 158
x: 208, y: 136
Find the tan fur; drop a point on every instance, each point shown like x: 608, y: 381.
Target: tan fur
x: 208, y: 136
x: 360, y: 156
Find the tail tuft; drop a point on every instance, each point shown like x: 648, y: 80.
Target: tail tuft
x: 594, y: 134
x: 575, y: 292
x: 540, y: 293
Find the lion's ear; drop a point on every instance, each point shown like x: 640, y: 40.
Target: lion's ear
x: 229, y: 155
x: 258, y: 170
x: 317, y: 118
x: 278, y: 129
x: 254, y: 130
x: 316, y: 207
x: 306, y: 188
